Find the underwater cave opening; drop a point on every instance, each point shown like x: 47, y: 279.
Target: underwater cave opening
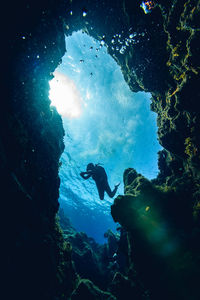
x: 104, y: 123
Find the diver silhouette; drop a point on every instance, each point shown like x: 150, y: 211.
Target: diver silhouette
x: 99, y: 175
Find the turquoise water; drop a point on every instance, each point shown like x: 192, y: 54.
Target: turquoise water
x: 104, y: 123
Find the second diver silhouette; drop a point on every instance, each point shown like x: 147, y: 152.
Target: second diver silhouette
x: 99, y: 175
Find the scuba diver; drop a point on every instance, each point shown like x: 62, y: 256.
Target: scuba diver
x: 99, y: 175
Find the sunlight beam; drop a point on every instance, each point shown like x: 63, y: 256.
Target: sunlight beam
x: 65, y: 96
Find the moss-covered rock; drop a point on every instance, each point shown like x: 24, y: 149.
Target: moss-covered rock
x: 91, y: 260
x: 124, y: 287
x: 160, y: 225
x: 87, y: 290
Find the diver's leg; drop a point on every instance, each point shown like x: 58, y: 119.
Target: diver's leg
x: 100, y: 191
x: 110, y: 193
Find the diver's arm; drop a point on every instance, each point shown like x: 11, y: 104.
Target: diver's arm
x: 85, y: 175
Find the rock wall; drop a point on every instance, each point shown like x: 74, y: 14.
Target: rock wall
x: 104, y: 267
x: 31, y: 142
x: 162, y: 235
x: 158, y: 53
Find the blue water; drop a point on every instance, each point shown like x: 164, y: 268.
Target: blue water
x: 111, y: 126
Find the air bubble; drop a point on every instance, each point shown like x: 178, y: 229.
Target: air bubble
x: 122, y: 50
x: 84, y: 13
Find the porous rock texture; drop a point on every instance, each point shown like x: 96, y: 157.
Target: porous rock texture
x: 91, y: 260
x: 163, y: 59
x: 162, y: 235
x: 104, y: 267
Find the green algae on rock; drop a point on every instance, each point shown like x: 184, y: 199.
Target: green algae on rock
x: 159, y: 221
x: 87, y: 290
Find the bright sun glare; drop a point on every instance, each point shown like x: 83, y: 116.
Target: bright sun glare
x: 65, y: 96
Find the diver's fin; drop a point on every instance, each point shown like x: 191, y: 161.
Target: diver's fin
x: 116, y: 185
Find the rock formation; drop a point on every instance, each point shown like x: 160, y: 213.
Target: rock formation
x: 162, y: 235
x: 160, y: 56
x: 102, y: 270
